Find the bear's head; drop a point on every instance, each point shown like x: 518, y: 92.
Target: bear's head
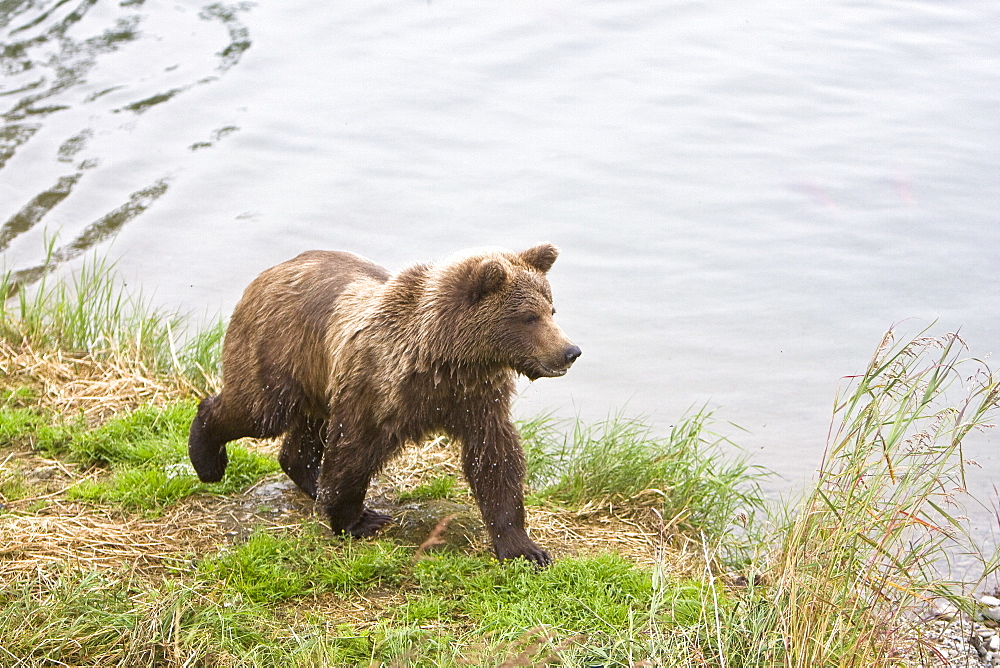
x: 501, y: 313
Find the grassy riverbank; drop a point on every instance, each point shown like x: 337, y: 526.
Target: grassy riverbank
x: 112, y: 552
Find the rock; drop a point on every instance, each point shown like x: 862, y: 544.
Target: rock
x: 986, y: 642
x: 944, y: 610
x: 416, y: 522
x: 989, y: 612
x: 955, y: 644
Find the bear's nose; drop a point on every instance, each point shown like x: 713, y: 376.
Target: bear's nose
x: 572, y: 353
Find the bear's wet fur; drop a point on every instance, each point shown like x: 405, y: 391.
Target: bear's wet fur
x: 351, y: 363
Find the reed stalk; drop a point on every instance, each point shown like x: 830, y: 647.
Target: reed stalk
x: 870, y: 545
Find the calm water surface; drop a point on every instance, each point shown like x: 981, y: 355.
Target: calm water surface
x: 746, y: 197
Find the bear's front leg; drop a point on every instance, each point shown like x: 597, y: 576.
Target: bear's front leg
x: 493, y: 462
x: 343, y: 482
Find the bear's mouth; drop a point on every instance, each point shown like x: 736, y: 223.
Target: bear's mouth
x: 540, y: 370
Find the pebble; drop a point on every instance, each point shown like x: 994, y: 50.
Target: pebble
x: 989, y: 611
x: 986, y: 642
x: 959, y: 641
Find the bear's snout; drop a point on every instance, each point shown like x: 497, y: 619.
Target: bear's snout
x: 559, y: 366
x: 572, y: 353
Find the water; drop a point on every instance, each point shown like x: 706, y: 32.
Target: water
x: 745, y: 197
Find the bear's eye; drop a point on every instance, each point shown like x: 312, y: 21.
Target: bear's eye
x: 531, y: 319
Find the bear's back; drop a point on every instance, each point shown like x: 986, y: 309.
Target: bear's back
x: 332, y: 268
x: 277, y: 335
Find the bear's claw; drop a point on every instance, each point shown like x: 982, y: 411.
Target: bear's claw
x: 368, y: 524
x: 530, y: 551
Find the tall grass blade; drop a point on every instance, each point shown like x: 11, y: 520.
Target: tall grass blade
x: 90, y: 313
x: 867, y: 546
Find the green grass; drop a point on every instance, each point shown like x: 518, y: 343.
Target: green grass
x: 144, y: 453
x: 73, y: 616
x: 147, y: 435
x: 597, y: 611
x: 441, y: 487
x: 268, y: 568
x: 35, y: 430
x: 690, y: 476
x: 89, y: 618
x: 250, y: 606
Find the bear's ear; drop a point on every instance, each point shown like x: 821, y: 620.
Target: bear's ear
x: 540, y: 257
x: 489, y: 277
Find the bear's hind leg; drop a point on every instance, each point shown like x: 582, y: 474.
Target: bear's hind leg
x: 206, y: 450
x: 347, y: 468
x: 301, y: 452
x: 211, y: 429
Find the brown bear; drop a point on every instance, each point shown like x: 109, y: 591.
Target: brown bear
x: 351, y: 363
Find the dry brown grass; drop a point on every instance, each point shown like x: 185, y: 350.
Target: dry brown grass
x: 97, y: 387
x: 75, y: 535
